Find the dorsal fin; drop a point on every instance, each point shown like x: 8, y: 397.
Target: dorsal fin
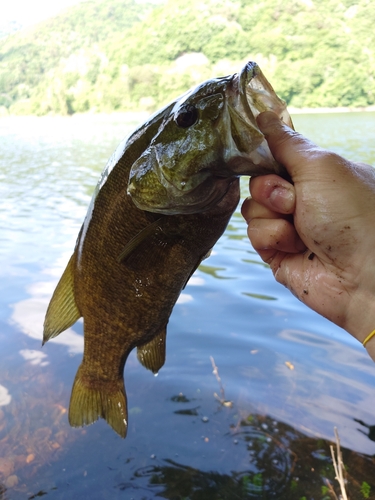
x: 152, y: 354
x: 62, y: 311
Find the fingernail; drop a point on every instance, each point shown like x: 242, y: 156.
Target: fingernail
x: 282, y: 199
x: 267, y: 119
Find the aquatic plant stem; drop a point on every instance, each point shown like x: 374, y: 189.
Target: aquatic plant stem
x: 338, y: 465
x: 331, y: 490
x: 222, y: 392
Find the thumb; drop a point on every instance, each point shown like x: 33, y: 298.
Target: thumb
x: 288, y: 147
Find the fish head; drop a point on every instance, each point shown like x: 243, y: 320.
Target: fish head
x: 205, y: 141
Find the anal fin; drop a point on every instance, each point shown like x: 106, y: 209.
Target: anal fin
x: 94, y: 399
x: 152, y: 354
x: 62, y: 311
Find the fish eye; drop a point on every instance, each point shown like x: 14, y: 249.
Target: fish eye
x: 187, y: 116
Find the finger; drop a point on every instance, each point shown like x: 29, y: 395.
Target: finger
x: 288, y: 147
x: 276, y: 234
x: 271, y: 255
x: 274, y: 192
x: 251, y: 209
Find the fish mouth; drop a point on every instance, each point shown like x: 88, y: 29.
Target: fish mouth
x: 250, y: 94
x: 245, y: 77
x: 257, y: 94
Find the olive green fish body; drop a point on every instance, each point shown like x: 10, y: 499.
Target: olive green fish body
x: 126, y: 299
x: 162, y: 202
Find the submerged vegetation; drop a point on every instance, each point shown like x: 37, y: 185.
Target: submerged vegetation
x: 106, y: 55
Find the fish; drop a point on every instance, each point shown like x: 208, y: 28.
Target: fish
x: 163, y: 200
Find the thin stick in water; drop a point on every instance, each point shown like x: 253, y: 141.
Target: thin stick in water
x: 222, y: 392
x: 338, y: 465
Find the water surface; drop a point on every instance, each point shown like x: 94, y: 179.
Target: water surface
x: 287, y: 375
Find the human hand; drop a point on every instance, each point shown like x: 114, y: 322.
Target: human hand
x: 317, y: 234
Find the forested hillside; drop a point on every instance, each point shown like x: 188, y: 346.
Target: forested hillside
x: 106, y: 55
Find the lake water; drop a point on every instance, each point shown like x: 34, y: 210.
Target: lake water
x: 287, y: 376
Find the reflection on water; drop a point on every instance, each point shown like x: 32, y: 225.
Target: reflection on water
x: 5, y: 397
x: 256, y: 262
x: 182, y: 443
x: 259, y: 296
x: 267, y: 468
x: 213, y: 271
x: 33, y: 427
x: 369, y: 429
x: 256, y: 457
x: 35, y: 357
x: 278, y: 463
x: 28, y: 316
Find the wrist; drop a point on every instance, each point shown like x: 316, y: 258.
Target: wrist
x: 370, y: 347
x: 361, y: 319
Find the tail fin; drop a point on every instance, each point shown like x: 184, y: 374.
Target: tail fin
x: 108, y: 401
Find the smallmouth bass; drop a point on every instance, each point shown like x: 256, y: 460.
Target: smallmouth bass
x: 162, y: 202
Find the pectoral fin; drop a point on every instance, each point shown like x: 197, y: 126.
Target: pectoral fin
x: 62, y: 311
x: 134, y: 243
x: 152, y: 354
x: 149, y: 245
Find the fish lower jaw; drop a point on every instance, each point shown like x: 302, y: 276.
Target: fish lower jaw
x: 200, y: 199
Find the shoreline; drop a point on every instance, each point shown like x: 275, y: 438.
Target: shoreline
x: 143, y: 115
x: 343, y: 109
